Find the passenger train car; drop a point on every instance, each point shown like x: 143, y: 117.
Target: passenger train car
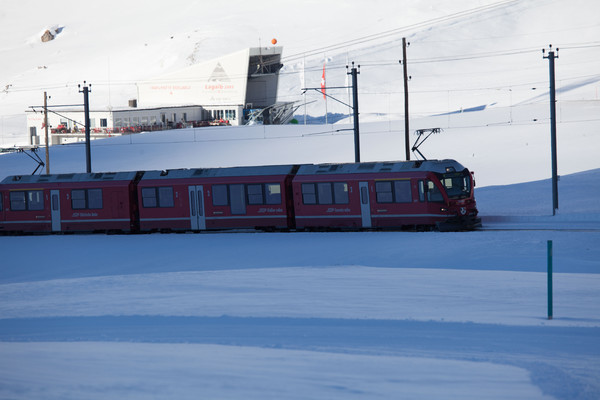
x: 379, y: 195
x: 216, y: 198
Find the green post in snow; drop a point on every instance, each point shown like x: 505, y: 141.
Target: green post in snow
x: 549, y: 279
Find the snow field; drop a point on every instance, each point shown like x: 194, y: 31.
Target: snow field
x: 347, y: 292
x: 312, y: 315
x: 139, y: 370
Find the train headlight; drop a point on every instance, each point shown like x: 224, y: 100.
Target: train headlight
x: 443, y: 209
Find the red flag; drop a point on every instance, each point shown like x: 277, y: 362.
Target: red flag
x: 323, y: 83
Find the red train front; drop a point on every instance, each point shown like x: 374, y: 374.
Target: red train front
x: 385, y: 195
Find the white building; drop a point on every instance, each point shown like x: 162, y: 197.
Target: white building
x: 229, y: 90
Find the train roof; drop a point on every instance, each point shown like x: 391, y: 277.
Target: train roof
x: 265, y: 170
x: 75, y: 177
x: 441, y: 166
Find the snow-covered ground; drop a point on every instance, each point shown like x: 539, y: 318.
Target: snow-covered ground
x: 357, y: 315
x: 316, y: 315
x: 311, y: 315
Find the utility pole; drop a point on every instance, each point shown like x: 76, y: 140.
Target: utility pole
x: 551, y: 58
x: 46, y: 131
x: 405, y: 67
x: 354, y: 73
x: 86, y: 108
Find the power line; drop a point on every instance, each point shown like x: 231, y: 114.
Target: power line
x: 399, y: 31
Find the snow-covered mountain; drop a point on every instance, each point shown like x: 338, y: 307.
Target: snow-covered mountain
x: 461, y: 54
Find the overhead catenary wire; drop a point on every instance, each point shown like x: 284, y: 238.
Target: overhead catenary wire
x: 400, y: 30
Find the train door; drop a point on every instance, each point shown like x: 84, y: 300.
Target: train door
x: 365, y: 204
x: 197, y: 216
x: 55, y: 210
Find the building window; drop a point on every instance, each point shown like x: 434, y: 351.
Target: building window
x: 103, y: 123
x: 27, y: 200
x: 86, y: 199
x: 229, y: 114
x: 153, y: 197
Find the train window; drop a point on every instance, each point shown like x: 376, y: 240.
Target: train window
x: 94, y: 198
x: 402, y: 192
x: 457, y: 185
x: 82, y: 199
x: 273, y: 193
x: 0, y: 201
x: 165, y: 197
x: 149, y: 197
x: 364, y: 195
x: 433, y: 193
x: 157, y: 197
x: 238, y: 199
x: 17, y: 201
x: 324, y: 193
x: 78, y: 199
x: 35, y: 200
x: 384, y: 192
x: 309, y: 196
x: 340, y: 193
x: 219, y: 195
x: 32, y: 200
x: 428, y: 190
x: 397, y: 191
x: 255, y: 194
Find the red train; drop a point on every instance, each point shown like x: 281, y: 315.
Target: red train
x: 385, y: 195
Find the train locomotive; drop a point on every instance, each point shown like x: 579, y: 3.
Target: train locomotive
x: 419, y: 195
